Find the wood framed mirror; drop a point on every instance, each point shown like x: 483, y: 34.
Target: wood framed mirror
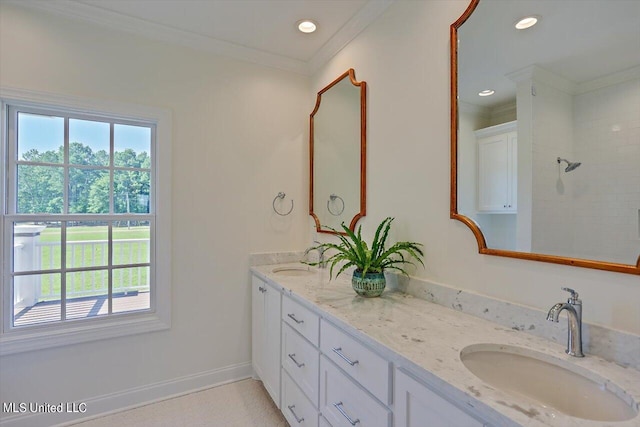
x: 337, y: 150
x: 542, y: 169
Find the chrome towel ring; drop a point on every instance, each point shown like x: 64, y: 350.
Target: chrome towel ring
x: 332, y: 198
x: 281, y: 196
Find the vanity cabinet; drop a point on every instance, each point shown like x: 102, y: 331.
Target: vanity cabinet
x: 417, y: 405
x: 362, y: 364
x: 344, y: 403
x: 301, y: 360
x: 498, y: 168
x: 323, y: 422
x: 301, y: 319
x: 331, y: 377
x: 265, y: 326
x: 300, y: 363
x: 297, y: 409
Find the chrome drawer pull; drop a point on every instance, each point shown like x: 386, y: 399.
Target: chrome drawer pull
x: 299, y: 420
x: 344, y: 414
x: 261, y: 289
x: 338, y: 351
x: 291, y: 315
x: 299, y: 365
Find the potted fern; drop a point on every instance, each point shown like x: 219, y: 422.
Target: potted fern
x: 368, y: 278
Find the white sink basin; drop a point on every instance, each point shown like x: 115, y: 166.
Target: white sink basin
x: 293, y: 271
x: 552, y: 382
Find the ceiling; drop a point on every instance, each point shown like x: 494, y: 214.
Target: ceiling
x: 577, y: 40
x: 261, y: 31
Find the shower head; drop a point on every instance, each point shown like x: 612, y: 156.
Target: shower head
x: 570, y: 165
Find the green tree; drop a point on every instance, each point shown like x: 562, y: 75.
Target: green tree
x: 40, y: 187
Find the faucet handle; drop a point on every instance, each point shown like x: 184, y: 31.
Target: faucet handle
x: 574, y: 295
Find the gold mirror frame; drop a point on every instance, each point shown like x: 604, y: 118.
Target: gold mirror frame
x: 351, y: 74
x: 482, y: 244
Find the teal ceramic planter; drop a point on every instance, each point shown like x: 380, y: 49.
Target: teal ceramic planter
x: 371, y: 285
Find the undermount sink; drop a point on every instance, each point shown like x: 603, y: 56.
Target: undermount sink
x: 552, y: 382
x: 293, y: 271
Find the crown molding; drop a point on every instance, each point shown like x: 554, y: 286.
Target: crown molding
x: 612, y: 79
x: 116, y: 21
x: 348, y: 32
x: 467, y: 107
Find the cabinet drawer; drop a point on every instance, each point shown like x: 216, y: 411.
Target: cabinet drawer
x: 295, y: 406
x: 361, y: 363
x: 301, y: 360
x: 417, y: 405
x: 300, y: 318
x: 344, y: 403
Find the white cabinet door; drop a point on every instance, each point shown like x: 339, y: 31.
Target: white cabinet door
x: 257, y: 324
x: 344, y: 403
x: 498, y: 169
x: 300, y: 318
x: 417, y: 406
x: 369, y: 369
x: 295, y: 406
x: 266, y: 304
x: 301, y: 360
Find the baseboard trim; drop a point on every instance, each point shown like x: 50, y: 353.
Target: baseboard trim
x: 100, y: 406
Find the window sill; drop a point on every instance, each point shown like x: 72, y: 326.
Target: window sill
x: 19, y: 341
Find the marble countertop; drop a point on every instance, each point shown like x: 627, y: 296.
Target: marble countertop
x: 427, y: 338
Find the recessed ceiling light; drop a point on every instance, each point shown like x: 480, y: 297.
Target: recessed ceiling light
x: 527, y: 22
x: 307, y: 26
x: 486, y: 92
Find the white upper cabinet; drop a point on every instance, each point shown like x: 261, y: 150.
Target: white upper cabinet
x: 498, y: 168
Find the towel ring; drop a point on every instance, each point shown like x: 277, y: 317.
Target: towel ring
x: 332, y: 198
x: 281, y: 196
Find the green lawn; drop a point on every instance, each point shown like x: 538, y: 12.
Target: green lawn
x: 94, y: 282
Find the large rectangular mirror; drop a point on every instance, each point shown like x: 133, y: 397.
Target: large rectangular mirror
x: 337, y: 150
x: 545, y: 125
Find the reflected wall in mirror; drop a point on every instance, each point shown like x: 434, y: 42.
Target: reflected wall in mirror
x: 337, y: 154
x: 545, y: 130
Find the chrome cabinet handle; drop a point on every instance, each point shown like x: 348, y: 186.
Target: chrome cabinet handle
x: 299, y: 365
x: 339, y: 352
x: 299, y: 420
x: 344, y: 414
x: 261, y: 289
x: 292, y: 316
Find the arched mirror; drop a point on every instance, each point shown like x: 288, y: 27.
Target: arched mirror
x: 545, y: 130
x: 337, y: 154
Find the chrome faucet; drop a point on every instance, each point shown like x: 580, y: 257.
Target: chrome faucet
x: 573, y: 306
x: 321, y: 262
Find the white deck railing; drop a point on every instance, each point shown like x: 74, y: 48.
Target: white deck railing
x: 93, y: 253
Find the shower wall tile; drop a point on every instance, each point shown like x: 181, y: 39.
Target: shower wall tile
x: 607, y: 129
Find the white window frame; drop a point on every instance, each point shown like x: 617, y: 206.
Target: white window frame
x: 16, y: 340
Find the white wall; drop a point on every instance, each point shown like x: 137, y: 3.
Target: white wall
x: 239, y: 137
x: 552, y: 191
x: 404, y: 58
x: 606, y: 194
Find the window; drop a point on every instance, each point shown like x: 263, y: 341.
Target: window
x: 82, y: 226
